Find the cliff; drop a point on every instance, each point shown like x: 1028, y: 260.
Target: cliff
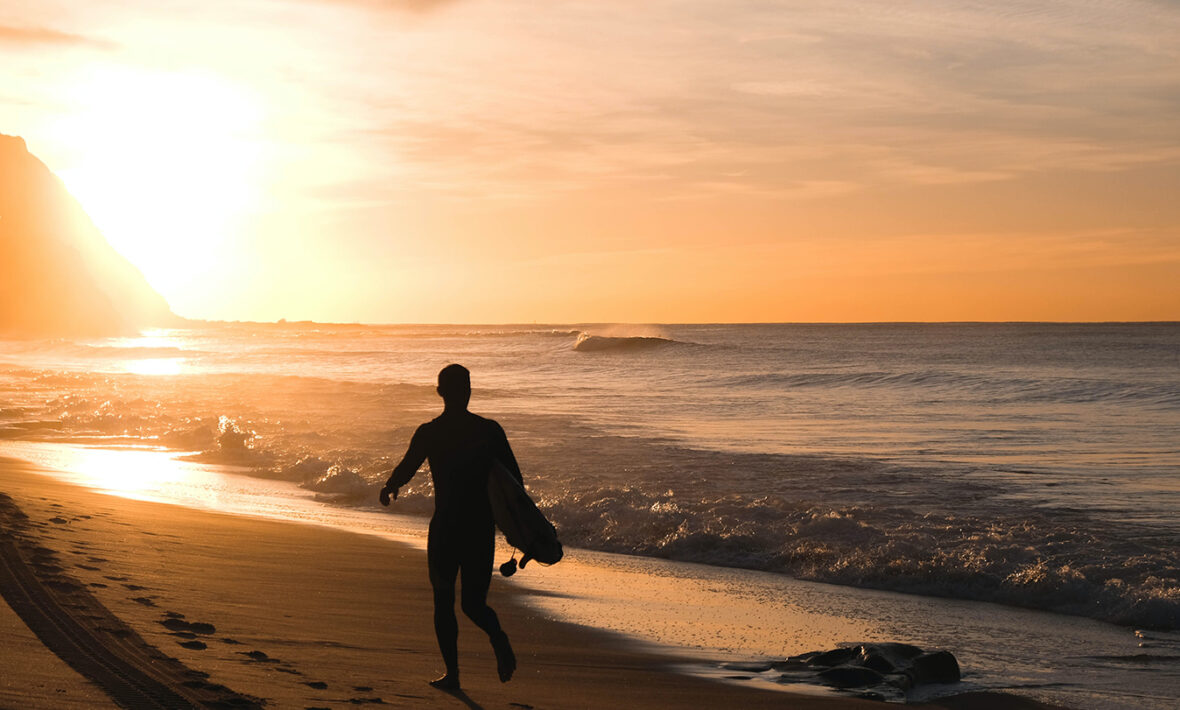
x: 58, y: 275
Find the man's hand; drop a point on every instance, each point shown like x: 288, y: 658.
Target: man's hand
x: 385, y: 493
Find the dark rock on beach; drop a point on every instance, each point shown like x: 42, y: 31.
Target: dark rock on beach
x: 871, y: 670
x: 937, y: 667
x: 850, y: 676
x: 832, y: 658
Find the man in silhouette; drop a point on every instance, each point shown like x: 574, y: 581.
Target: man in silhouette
x: 460, y: 447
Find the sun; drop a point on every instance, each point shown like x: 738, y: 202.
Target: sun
x: 167, y: 164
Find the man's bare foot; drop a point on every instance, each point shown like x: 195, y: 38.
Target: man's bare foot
x: 450, y: 681
x: 505, y: 658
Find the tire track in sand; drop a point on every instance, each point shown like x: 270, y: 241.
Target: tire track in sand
x: 73, y: 624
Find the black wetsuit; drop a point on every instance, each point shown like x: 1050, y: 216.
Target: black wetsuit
x: 460, y: 447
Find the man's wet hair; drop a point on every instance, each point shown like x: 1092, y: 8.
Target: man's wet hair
x: 454, y: 380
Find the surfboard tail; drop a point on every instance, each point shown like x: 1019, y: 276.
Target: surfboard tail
x: 523, y: 524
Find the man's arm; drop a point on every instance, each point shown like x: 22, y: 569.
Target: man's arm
x: 404, y: 471
x: 503, y: 451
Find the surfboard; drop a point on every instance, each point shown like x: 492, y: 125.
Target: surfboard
x: 524, y: 526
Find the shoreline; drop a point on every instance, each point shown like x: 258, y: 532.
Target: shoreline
x: 293, y: 609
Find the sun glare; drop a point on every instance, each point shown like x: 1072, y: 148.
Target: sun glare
x: 167, y: 164
x: 161, y: 340
x: 156, y: 366
x: 135, y: 473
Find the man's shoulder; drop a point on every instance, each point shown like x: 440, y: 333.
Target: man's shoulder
x: 425, y: 428
x: 490, y: 427
x: 444, y: 419
x: 489, y: 423
x: 444, y: 423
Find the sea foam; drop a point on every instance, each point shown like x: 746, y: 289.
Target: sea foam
x: 990, y: 463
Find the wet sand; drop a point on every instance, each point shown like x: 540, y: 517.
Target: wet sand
x: 155, y: 602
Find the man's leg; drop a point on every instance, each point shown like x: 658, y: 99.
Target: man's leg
x: 476, y: 569
x: 444, y: 566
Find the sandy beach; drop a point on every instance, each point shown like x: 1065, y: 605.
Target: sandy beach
x: 287, y: 615
x: 830, y: 351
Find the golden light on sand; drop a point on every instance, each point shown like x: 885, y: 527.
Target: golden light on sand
x: 168, y: 163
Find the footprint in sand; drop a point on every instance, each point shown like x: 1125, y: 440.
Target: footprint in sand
x: 114, y: 579
x: 116, y: 632
x: 61, y: 585
x: 362, y: 688
x: 134, y: 587
x: 278, y: 665
x: 146, y: 601
x: 89, y: 568
x: 187, y: 630
x: 173, y: 623
x: 317, y: 684
x: 194, y: 645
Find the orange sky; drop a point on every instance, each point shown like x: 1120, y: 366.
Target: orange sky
x: 665, y: 161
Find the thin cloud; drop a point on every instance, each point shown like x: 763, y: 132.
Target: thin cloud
x: 396, y: 5
x: 812, y: 103
x: 39, y: 36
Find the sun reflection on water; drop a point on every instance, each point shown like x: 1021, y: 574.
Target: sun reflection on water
x: 132, y: 473
x: 150, y: 338
x: 159, y: 475
x: 152, y: 350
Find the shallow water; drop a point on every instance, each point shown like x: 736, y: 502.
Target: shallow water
x: 1029, y: 464
x: 706, y: 614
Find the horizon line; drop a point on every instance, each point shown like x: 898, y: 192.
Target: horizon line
x: 284, y: 321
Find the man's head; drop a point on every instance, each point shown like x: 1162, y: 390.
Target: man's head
x: 454, y: 386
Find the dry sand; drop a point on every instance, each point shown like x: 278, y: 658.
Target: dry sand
x: 170, y: 606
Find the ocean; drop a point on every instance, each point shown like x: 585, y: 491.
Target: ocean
x: 1031, y: 465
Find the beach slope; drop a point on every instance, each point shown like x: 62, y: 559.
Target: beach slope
x: 151, y: 601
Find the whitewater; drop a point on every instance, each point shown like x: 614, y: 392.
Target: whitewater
x: 1032, y: 465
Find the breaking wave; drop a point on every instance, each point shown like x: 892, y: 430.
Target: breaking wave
x: 926, y: 525
x: 1032, y: 561
x: 600, y: 343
